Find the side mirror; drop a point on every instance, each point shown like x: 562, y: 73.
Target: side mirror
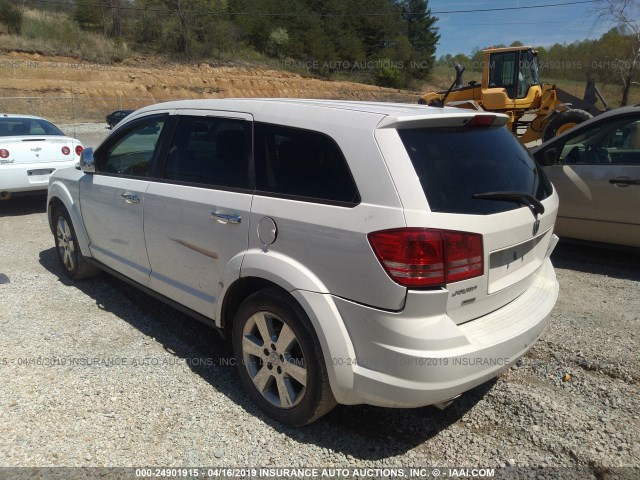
x: 87, y: 162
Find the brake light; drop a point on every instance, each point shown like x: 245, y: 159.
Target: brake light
x: 4, y: 153
x: 66, y: 150
x: 79, y: 150
x: 481, y: 121
x: 424, y: 257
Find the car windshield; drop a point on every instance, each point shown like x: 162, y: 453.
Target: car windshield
x: 456, y: 166
x: 19, y: 127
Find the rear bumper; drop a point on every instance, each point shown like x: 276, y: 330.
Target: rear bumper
x: 30, y: 176
x: 413, y: 359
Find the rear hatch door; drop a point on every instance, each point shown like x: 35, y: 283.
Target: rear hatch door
x: 476, y: 179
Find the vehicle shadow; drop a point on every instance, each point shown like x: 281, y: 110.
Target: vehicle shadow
x: 621, y: 263
x: 361, y: 431
x: 23, y: 205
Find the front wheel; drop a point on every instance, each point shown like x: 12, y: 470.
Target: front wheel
x: 564, y: 121
x: 74, y: 264
x: 279, y: 359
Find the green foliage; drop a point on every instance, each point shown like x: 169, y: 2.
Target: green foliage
x: 11, y: 16
x: 388, y: 74
x: 88, y: 17
x: 278, y: 41
x: 54, y: 33
x: 149, y: 31
x: 57, y: 28
x: 327, y: 37
x: 422, y: 36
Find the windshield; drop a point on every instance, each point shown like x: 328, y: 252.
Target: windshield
x: 20, y: 127
x: 454, y: 164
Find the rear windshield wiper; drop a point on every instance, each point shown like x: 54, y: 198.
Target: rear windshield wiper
x: 519, y: 197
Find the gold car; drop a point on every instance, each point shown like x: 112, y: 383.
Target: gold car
x: 595, y: 169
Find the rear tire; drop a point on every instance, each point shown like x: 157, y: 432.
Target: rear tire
x: 279, y: 358
x: 564, y: 121
x: 74, y: 264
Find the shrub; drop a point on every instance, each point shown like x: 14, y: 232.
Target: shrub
x: 11, y: 16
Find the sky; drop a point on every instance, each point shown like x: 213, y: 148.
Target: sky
x: 461, y: 32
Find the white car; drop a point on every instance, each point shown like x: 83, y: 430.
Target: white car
x: 387, y: 254
x: 31, y: 149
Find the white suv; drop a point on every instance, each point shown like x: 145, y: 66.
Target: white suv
x: 376, y: 253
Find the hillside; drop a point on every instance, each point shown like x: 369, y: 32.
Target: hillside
x: 63, y: 88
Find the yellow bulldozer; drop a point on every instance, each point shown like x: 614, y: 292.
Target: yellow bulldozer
x: 511, y: 85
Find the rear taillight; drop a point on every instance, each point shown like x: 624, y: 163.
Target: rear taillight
x: 424, y: 257
x: 4, y: 153
x: 79, y: 150
x: 66, y: 150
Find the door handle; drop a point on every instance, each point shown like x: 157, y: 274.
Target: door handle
x: 624, y: 182
x: 226, y: 217
x: 130, y: 198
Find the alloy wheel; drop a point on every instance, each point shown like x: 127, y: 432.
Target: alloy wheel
x: 274, y: 360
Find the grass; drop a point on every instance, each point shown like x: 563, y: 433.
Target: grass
x: 53, y: 33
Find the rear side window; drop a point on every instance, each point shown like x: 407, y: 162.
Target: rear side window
x: 454, y: 164
x: 302, y: 163
x: 210, y: 151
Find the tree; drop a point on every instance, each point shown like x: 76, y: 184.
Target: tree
x: 88, y: 16
x: 625, y: 56
x: 278, y: 40
x: 422, y: 34
x: 477, y: 60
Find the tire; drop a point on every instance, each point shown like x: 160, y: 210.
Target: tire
x: 289, y: 382
x: 563, y: 121
x: 74, y: 264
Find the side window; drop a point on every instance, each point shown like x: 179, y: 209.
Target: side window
x: 615, y: 142
x: 132, y: 153
x: 210, y: 151
x: 302, y: 163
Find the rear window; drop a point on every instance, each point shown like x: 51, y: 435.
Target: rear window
x: 13, y: 126
x: 454, y: 164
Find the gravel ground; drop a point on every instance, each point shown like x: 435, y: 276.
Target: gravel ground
x: 145, y: 385
x: 90, y: 134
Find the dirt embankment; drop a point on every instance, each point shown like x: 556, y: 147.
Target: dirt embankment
x: 23, y: 74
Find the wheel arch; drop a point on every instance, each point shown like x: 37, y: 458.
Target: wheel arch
x: 59, y: 196
x: 237, y: 292
x: 268, y: 270
x: 259, y: 269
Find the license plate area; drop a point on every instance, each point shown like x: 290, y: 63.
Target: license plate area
x: 512, y: 264
x: 40, y: 176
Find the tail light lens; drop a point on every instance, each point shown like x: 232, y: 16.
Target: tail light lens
x: 66, y: 150
x: 424, y: 257
x: 4, y: 153
x: 79, y: 150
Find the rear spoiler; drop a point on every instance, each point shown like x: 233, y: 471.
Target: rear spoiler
x: 444, y: 119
